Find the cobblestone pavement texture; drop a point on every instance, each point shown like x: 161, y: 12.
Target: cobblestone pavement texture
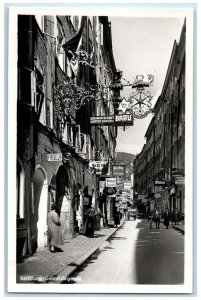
x: 44, y: 264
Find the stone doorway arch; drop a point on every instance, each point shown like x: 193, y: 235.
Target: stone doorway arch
x: 39, y: 208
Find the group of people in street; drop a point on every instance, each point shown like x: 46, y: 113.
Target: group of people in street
x: 55, y: 239
x: 167, y: 217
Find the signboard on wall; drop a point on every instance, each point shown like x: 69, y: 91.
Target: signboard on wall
x: 97, y: 164
x: 124, y: 119
x: 118, y: 170
x: 160, y: 182
x: 118, y: 120
x: 179, y: 180
x: 102, y: 120
x: 127, y: 185
x: 110, y: 182
x: 54, y: 157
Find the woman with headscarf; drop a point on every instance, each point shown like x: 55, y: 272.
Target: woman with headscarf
x: 54, y: 233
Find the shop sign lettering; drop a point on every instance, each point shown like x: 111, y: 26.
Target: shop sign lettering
x: 110, y: 182
x: 118, y: 170
x: 97, y: 164
x: 54, y: 157
x: 118, y: 120
x: 160, y: 182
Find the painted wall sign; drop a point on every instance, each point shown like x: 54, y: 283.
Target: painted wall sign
x: 159, y: 182
x: 54, y: 157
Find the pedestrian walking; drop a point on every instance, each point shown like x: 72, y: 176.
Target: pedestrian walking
x: 175, y: 217
x: 151, y: 220
x: 148, y: 215
x: 166, y: 217
x: 54, y: 233
x: 156, y: 218
x: 90, y: 221
x: 116, y: 217
x: 182, y: 218
x: 102, y: 216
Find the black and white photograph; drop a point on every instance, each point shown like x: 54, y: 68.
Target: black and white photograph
x: 100, y: 117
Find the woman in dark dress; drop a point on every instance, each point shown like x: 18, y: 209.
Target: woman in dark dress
x: 166, y: 218
x: 90, y: 220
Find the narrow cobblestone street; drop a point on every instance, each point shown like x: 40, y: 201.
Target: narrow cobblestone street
x: 45, y: 267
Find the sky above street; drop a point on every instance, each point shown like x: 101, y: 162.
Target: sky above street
x: 142, y: 45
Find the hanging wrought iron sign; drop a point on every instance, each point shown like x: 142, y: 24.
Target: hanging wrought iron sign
x: 139, y: 102
x: 69, y: 96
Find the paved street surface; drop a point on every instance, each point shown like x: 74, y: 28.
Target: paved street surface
x: 132, y: 253
x: 46, y: 267
x: 136, y: 254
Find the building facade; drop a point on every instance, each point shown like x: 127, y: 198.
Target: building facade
x: 163, y: 155
x: 60, y: 60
